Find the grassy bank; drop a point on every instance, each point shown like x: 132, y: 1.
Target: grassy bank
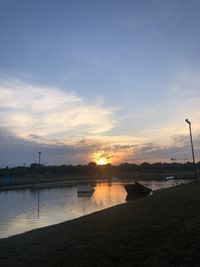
x: 161, y: 230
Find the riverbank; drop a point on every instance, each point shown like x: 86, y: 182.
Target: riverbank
x: 161, y: 230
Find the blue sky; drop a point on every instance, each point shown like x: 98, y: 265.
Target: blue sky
x: 81, y: 80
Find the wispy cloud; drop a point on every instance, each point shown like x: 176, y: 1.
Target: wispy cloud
x: 31, y: 111
x: 70, y: 129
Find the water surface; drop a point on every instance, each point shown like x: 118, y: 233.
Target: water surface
x: 24, y: 210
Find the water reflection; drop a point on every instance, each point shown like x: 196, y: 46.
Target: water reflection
x: 23, y: 210
x: 38, y: 213
x: 85, y: 194
x: 107, y: 194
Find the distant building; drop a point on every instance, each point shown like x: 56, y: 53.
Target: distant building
x: 7, y: 180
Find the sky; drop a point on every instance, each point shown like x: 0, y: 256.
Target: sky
x: 108, y: 81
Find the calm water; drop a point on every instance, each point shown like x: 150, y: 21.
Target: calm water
x: 23, y: 210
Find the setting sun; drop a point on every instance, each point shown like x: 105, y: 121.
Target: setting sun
x: 102, y: 161
x: 101, y: 157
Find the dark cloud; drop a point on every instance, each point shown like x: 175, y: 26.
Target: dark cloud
x: 179, y: 150
x: 34, y: 137
x: 180, y: 139
x: 17, y: 151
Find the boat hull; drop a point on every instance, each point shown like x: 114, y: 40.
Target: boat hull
x: 137, y: 189
x: 85, y: 189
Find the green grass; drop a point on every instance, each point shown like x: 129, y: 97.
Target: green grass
x: 161, y: 230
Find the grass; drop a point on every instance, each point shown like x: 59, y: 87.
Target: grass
x: 161, y: 230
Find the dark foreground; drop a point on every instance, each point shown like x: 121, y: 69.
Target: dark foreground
x: 161, y: 230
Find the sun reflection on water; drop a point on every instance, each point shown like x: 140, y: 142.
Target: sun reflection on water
x: 24, y: 210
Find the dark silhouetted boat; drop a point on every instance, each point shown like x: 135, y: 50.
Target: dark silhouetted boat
x: 135, y: 196
x: 137, y: 189
x: 85, y: 189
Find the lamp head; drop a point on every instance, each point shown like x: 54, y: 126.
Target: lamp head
x: 188, y: 121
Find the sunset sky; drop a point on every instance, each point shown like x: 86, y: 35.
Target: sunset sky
x: 108, y: 81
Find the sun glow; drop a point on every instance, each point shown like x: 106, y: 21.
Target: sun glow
x: 101, y: 157
x: 102, y: 161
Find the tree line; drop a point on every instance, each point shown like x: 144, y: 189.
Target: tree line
x: 93, y: 168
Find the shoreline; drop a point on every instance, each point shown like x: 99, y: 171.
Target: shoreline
x: 62, y: 182
x: 152, y: 231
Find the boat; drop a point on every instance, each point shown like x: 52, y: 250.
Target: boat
x: 85, y: 189
x: 135, y: 196
x: 137, y: 189
x: 114, y: 179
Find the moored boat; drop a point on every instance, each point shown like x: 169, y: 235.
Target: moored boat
x: 137, y: 188
x: 114, y: 179
x: 85, y: 189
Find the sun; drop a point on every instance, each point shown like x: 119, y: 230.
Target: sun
x: 101, y: 157
x: 102, y: 161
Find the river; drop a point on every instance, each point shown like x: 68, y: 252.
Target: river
x: 25, y: 209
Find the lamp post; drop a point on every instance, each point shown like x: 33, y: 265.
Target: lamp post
x: 194, y: 166
x: 39, y: 157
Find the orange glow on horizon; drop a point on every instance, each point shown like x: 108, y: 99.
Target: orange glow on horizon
x: 101, y: 157
x: 102, y: 161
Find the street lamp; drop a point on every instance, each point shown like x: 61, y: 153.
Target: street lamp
x: 39, y: 157
x: 194, y: 166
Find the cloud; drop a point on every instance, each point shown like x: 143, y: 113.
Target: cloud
x: 19, y: 151
x: 179, y: 149
x: 69, y: 129
x: 30, y: 111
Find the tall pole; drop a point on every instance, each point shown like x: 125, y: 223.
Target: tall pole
x: 39, y: 157
x: 194, y: 165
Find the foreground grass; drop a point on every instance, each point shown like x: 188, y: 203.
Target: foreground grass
x: 162, y: 230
